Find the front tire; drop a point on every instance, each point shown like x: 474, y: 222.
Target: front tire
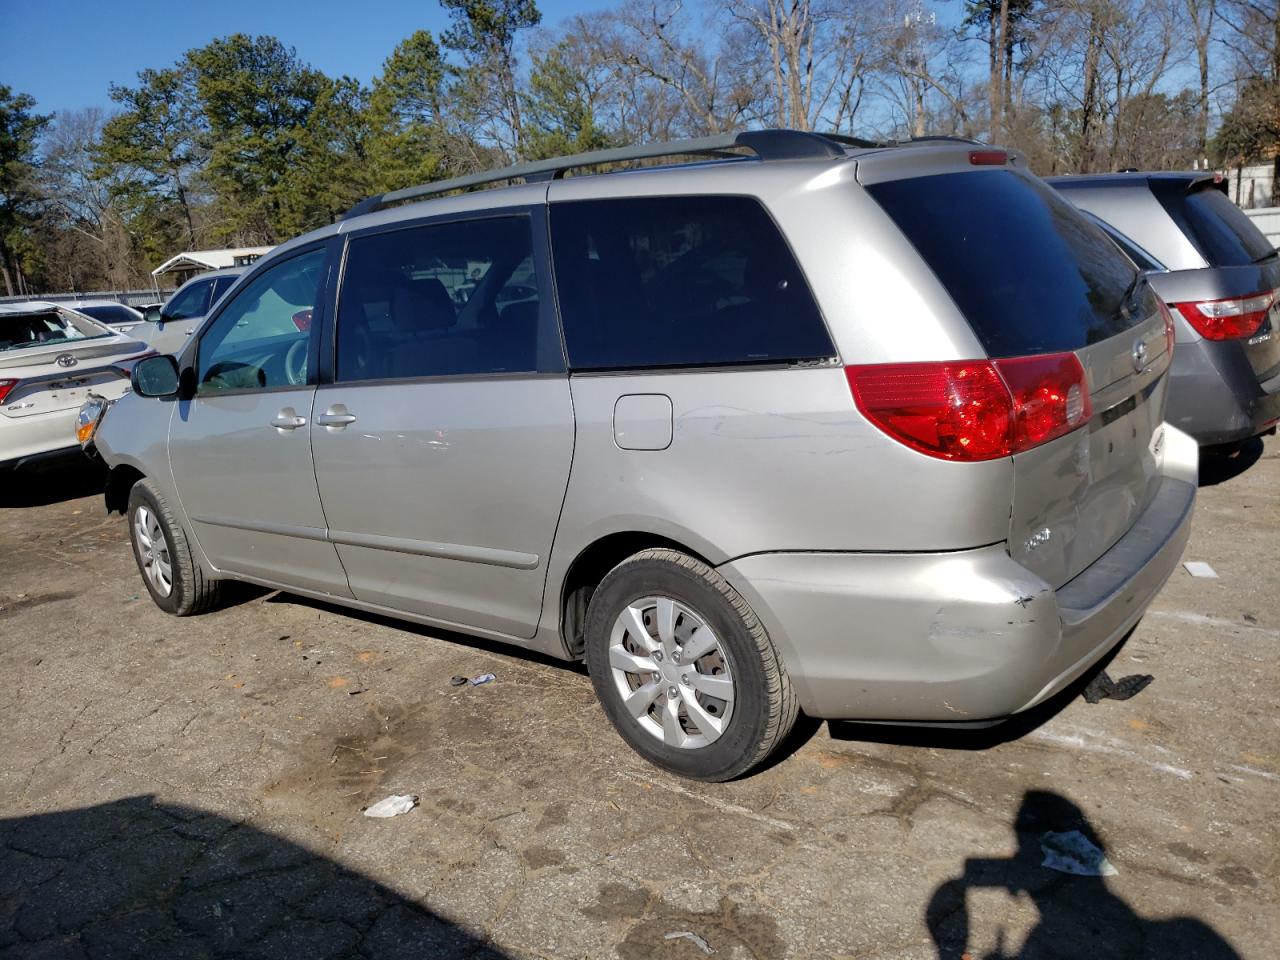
x: 684, y: 669
x: 172, y: 575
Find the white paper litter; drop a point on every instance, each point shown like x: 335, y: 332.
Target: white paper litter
x: 392, y: 806
x: 690, y: 935
x: 1073, y: 852
x: 1198, y: 568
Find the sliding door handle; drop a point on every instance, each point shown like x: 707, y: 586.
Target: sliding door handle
x: 288, y: 419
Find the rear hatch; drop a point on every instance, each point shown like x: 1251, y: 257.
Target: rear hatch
x: 1033, y: 276
x: 1245, y: 266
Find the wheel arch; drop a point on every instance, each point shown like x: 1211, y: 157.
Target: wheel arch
x: 120, y: 481
x: 591, y: 565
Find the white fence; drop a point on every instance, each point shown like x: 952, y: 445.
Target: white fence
x: 1268, y: 221
x: 132, y: 298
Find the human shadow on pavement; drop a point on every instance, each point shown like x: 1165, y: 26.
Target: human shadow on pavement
x: 23, y: 488
x: 140, y: 878
x: 1080, y: 916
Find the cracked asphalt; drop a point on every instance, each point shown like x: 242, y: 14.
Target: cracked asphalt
x: 193, y: 788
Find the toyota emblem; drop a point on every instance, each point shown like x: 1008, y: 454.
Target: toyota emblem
x: 66, y: 360
x: 1139, y: 356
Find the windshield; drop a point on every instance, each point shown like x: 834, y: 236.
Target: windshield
x: 44, y: 328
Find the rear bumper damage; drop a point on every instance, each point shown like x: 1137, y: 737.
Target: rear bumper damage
x: 961, y: 636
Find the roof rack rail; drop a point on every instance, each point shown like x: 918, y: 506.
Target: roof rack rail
x: 768, y: 145
x: 943, y: 138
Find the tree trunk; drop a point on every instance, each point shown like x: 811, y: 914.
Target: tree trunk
x: 993, y: 90
x: 4, y: 268
x: 1204, y: 32
x: 1093, y: 50
x: 998, y: 126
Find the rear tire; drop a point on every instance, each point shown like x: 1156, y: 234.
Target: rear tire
x: 172, y: 575
x: 684, y: 669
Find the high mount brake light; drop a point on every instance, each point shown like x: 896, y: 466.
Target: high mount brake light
x: 1234, y: 318
x: 972, y: 410
x: 988, y: 158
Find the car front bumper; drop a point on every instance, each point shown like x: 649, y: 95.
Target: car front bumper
x: 962, y: 636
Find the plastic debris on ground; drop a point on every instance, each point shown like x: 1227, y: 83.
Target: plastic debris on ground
x: 1198, y: 568
x: 392, y: 806
x: 483, y: 678
x: 457, y: 681
x: 690, y: 935
x: 1072, y: 852
x: 1102, y: 687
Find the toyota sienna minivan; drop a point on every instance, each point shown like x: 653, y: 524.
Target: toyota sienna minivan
x: 809, y: 424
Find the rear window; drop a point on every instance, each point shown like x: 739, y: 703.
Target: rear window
x: 1221, y: 231
x: 109, y: 314
x: 1030, y: 273
x: 44, y: 329
x: 680, y: 282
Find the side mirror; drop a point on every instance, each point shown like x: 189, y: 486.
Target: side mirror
x: 152, y: 313
x: 155, y: 377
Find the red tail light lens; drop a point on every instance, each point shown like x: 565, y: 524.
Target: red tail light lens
x: 6, y: 386
x: 974, y: 409
x: 302, y: 320
x: 1236, y: 318
x: 1050, y: 397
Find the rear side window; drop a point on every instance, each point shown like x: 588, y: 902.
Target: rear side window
x: 1030, y: 273
x: 220, y: 286
x: 1221, y: 231
x: 680, y: 282
x: 443, y: 299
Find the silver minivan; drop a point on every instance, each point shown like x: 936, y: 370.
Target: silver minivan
x: 865, y: 431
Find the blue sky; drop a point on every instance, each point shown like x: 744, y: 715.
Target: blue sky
x: 67, y: 53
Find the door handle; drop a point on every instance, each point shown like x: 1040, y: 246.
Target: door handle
x: 336, y: 417
x: 288, y: 419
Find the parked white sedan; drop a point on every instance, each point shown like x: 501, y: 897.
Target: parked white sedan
x: 50, y: 358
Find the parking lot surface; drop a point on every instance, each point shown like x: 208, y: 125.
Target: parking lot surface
x: 194, y: 787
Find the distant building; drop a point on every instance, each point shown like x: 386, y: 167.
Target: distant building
x: 186, y: 265
x: 1252, y: 186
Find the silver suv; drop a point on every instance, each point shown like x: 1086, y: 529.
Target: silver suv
x: 868, y: 431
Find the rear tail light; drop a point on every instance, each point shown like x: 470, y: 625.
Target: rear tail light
x: 6, y: 387
x: 1236, y: 318
x: 302, y: 320
x: 988, y: 158
x: 974, y: 409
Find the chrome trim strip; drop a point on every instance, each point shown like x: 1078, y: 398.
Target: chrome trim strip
x: 422, y: 548
x: 446, y: 551
x: 280, y: 529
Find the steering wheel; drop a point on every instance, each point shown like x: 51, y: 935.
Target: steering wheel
x: 295, y: 362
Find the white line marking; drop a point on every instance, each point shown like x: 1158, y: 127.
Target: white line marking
x: 710, y: 801
x: 1080, y: 743
x: 1201, y: 619
x: 1254, y: 772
